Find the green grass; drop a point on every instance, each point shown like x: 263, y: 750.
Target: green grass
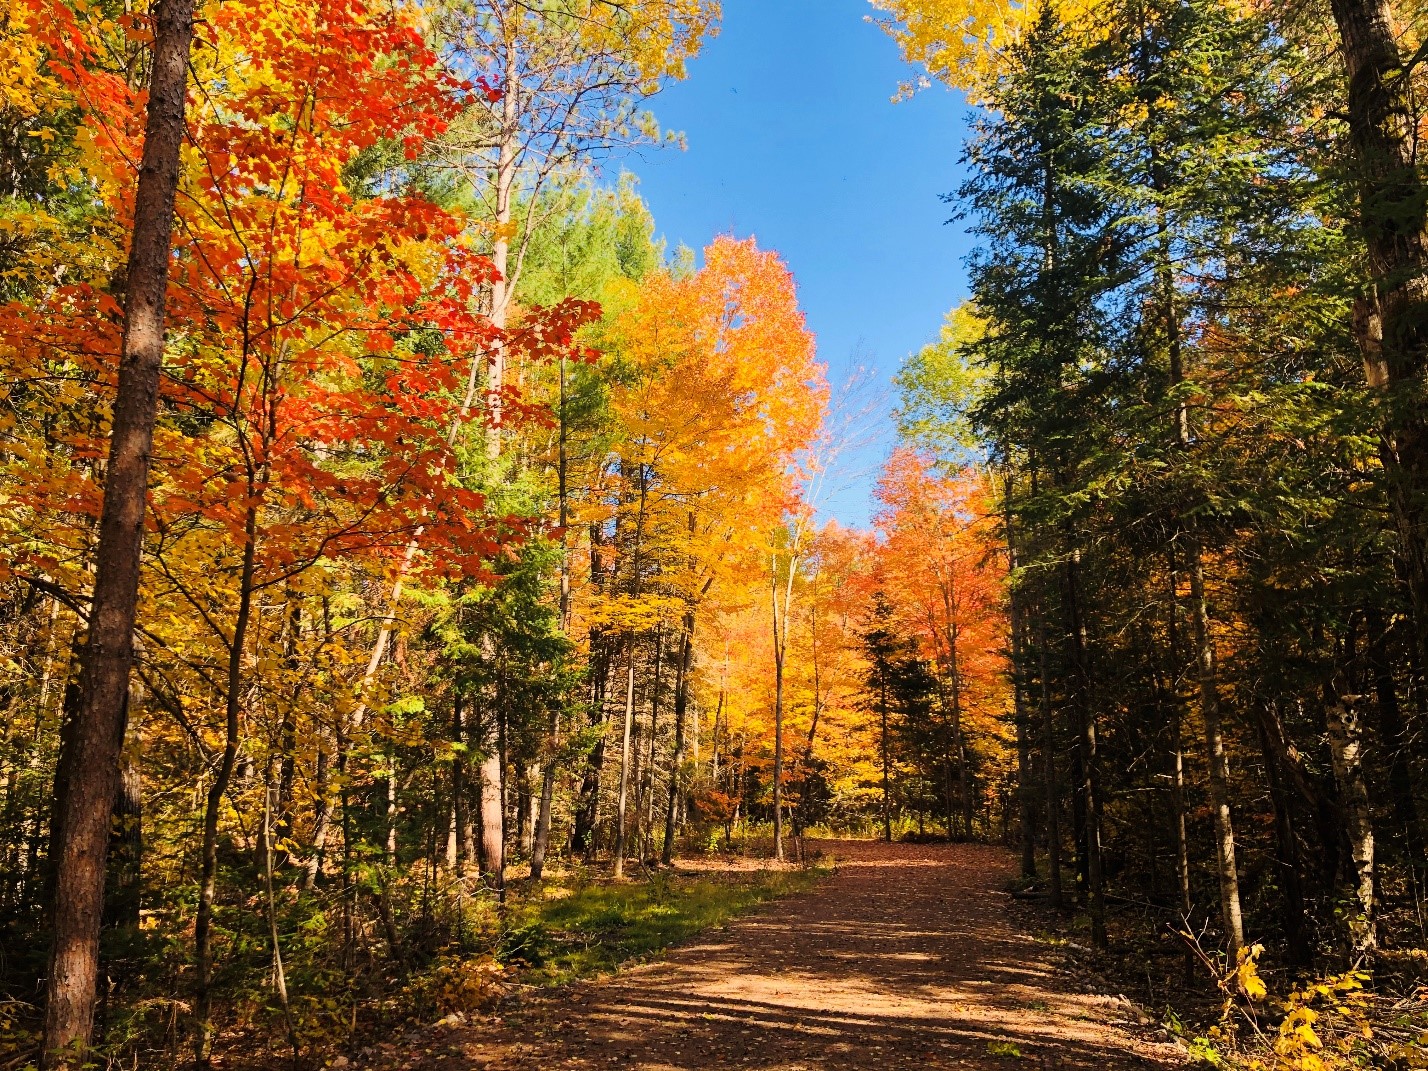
x: 590, y: 928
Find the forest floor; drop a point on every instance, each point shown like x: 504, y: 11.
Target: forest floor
x: 905, y: 957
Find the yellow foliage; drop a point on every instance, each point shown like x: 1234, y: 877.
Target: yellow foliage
x: 1247, y: 973
x: 1298, y: 1044
x: 461, y: 984
x: 658, y: 37
x: 27, y: 88
x: 1325, y: 1024
x: 964, y: 43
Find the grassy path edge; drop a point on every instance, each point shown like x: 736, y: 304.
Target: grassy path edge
x: 586, y: 927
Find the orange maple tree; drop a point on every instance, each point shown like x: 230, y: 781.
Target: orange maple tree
x: 944, y: 575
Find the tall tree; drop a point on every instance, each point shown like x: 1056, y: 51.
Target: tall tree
x: 89, y: 765
x: 1393, y: 217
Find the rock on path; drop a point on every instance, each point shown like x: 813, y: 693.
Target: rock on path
x: 905, y: 958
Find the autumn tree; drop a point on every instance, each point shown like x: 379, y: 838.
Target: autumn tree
x: 716, y: 391
x: 938, y: 540
x: 89, y: 764
x: 1160, y: 356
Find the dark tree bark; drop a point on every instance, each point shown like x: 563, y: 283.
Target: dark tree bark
x: 1393, y: 736
x: 582, y: 839
x: 1090, y: 772
x: 1078, y: 806
x: 1026, y: 807
x: 1286, y: 851
x: 81, y: 833
x: 1051, y: 787
x: 1317, y: 792
x: 1393, y: 320
x: 676, y: 760
x: 126, y: 838
x: 622, y: 803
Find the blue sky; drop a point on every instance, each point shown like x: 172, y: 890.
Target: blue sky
x: 792, y: 138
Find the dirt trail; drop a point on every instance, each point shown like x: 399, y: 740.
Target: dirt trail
x: 904, y: 958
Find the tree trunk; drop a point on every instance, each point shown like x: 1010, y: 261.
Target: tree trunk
x: 1177, y: 811
x: 582, y: 838
x: 280, y: 979
x: 349, y: 891
x: 1078, y: 806
x: 1090, y: 786
x: 208, y: 871
x: 489, y: 773
x: 1051, y: 788
x: 1171, y: 692
x: 81, y: 833
x: 1346, y: 752
x: 493, y: 818
x: 625, y: 764
x: 883, y: 751
x: 676, y: 760
x: 634, y: 811
x: 1226, y: 868
x: 287, y: 774
x: 714, y: 746
x: 1286, y: 851
x: 541, y: 842
x: 1383, y: 128
x: 964, y: 779
x: 647, y: 775
x: 451, y: 854
x: 949, y: 802
x: 959, y: 739
x: 506, y: 163
x: 287, y: 736
x: 1177, y: 819
x: 526, y: 802
x: 321, y: 820
x: 780, y: 637
x: 1393, y: 736
x: 778, y: 760
x: 126, y: 840
x: 391, y: 812
x: 1026, y: 813
x: 460, y: 788
x: 530, y: 789
x: 1206, y: 673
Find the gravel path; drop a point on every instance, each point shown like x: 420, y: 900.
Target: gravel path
x: 905, y: 958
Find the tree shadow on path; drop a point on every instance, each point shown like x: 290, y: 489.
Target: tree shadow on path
x: 904, y: 958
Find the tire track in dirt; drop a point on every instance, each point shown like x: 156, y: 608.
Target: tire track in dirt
x: 904, y: 958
